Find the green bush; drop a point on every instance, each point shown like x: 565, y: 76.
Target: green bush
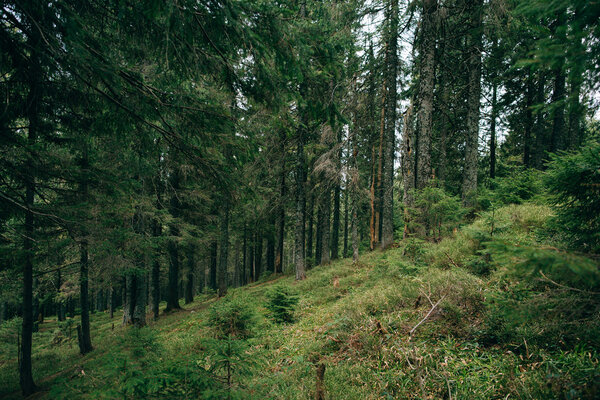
x: 574, y: 181
x: 519, y: 185
x: 435, y: 212
x: 281, y: 303
x: 232, y: 317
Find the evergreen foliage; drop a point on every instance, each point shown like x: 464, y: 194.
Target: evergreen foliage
x: 281, y: 303
x: 573, y: 180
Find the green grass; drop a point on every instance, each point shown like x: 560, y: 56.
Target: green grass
x: 356, y: 319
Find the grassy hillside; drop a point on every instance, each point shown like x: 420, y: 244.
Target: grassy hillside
x: 471, y: 317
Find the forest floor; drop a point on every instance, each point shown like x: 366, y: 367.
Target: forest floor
x: 421, y: 321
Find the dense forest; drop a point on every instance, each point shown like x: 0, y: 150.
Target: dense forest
x: 300, y: 199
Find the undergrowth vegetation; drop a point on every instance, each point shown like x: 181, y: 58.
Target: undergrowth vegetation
x: 495, y: 309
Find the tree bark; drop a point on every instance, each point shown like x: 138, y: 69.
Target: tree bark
x: 213, y: 265
x: 346, y: 212
x: 469, y: 185
x: 335, y: 228
x: 281, y: 221
x: 310, y: 254
x: 224, y: 250
x: 387, y: 232
x: 156, y: 232
x: 540, y: 137
x: 557, y: 139
x: 299, y: 260
x: 173, y: 247
x: 271, y: 247
x: 528, y: 118
x: 325, y: 204
x: 575, y: 109
x: 258, y: 252
x: 427, y: 77
x: 244, y: 256
x: 407, y: 166
x: 189, y: 276
x: 85, y: 346
x: 28, y: 387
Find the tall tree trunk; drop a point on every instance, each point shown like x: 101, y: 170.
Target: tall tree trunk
x: 335, y: 227
x: 346, y: 196
x: 281, y: 221
x: 378, y: 204
x: 528, y: 118
x: 372, y: 196
x: 326, y: 207
x: 271, y: 246
x: 540, y: 137
x: 387, y: 233
x: 557, y: 140
x: 173, y: 284
x: 300, y: 204
x: 469, y: 185
x: 407, y: 166
x: 128, y: 298
x: 426, y: 85
x: 258, y: 254
x: 224, y: 250
x: 244, y: 256
x: 33, y: 101
x: 251, y: 276
x: 213, y: 265
x: 354, y: 177
x: 319, y: 231
x: 111, y: 302
x: 138, y: 313
x: 85, y: 345
x: 60, y: 312
x: 173, y: 247
x: 156, y: 232
x: 189, y: 276
x: 310, y: 254
x: 444, y: 84
x: 575, y: 108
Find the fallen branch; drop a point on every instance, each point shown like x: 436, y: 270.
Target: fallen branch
x: 451, y: 260
x: 427, y: 316
x: 568, y: 287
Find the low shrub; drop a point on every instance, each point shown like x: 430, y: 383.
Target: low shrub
x: 281, y: 303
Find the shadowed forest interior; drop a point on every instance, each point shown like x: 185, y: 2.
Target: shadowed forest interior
x: 300, y: 199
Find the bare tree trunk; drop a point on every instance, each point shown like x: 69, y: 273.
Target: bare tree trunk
x: 310, y: 257
x: 346, y: 212
x: 325, y: 204
x: 213, y: 265
x: 156, y: 232
x: 387, y: 236
x: 528, y: 118
x: 426, y: 85
x: 300, y: 206
x: 224, y: 249
x: 85, y: 346
x: 281, y: 222
x: 28, y: 387
x: 407, y: 166
x: 189, y: 276
x: 469, y: 185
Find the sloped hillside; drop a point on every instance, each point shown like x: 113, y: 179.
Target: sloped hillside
x: 467, y: 318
